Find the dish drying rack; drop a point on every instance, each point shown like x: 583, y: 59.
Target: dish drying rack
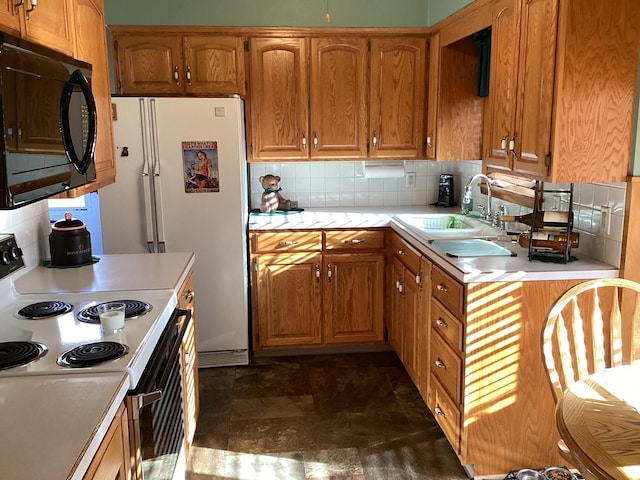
x: 544, y: 254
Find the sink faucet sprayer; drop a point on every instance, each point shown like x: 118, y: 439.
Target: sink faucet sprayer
x: 467, y: 201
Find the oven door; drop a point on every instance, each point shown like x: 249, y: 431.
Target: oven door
x: 156, y: 420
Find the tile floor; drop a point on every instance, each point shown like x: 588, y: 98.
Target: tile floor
x: 332, y: 417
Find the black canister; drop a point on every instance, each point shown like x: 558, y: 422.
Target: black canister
x: 69, y: 242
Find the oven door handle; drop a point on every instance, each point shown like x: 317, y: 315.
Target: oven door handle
x: 144, y: 399
x: 182, y: 319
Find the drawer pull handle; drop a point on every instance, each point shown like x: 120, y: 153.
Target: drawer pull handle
x: 189, y: 296
x: 402, y: 253
x: 329, y: 272
x: 442, y: 288
x: 354, y: 241
x: 441, y: 323
x: 288, y: 243
x: 317, y: 273
x: 440, y: 364
x: 440, y: 412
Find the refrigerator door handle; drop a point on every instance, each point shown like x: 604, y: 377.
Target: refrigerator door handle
x: 156, y: 183
x: 147, y: 178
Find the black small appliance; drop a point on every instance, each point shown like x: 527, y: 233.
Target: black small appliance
x: 446, y: 194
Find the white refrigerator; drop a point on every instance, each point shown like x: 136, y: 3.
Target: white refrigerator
x: 181, y: 185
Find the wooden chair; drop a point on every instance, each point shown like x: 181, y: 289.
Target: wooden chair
x: 592, y: 326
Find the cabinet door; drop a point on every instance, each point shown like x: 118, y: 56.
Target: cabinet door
x: 434, y: 92
x: 214, y: 65
x: 279, y: 86
x: 9, y: 17
x: 90, y: 27
x: 338, y: 97
x: 396, y: 116
x: 288, y: 293
x: 111, y: 461
x: 354, y: 307
x: 148, y: 64
x: 500, y: 116
x: 410, y: 321
x: 396, y: 286
x: 539, y: 27
x: 50, y: 23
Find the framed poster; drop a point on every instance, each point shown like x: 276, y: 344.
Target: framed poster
x: 200, y: 161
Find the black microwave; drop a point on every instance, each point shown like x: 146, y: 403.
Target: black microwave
x: 49, y: 123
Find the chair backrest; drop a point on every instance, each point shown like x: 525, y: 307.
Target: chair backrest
x: 592, y: 326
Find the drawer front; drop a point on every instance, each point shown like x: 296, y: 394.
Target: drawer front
x: 286, y: 241
x: 448, y: 326
x: 445, y: 412
x: 405, y: 252
x: 448, y: 291
x: 354, y: 240
x: 446, y: 365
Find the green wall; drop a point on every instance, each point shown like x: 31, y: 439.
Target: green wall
x: 277, y: 13
x: 440, y: 9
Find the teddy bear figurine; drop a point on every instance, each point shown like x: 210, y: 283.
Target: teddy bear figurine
x: 271, y: 198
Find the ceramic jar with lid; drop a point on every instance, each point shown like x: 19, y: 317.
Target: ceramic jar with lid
x: 69, y: 242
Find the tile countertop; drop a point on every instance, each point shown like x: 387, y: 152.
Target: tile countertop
x: 467, y: 270
x: 52, y: 426
x: 138, y: 271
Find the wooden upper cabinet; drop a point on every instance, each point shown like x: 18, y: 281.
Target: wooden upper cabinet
x: 214, y: 63
x: 90, y: 27
x: 396, y: 101
x: 562, y: 94
x: 338, y: 101
x: 148, y: 64
x: 49, y: 23
x: 431, y: 142
x: 279, y: 83
x: 172, y: 62
x: 499, y: 120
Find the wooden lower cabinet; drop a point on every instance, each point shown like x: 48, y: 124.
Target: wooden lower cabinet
x: 112, y: 461
x: 323, y: 288
x: 189, y: 364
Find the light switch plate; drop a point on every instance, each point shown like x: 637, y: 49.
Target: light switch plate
x: 605, y: 219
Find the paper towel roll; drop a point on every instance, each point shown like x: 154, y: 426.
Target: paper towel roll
x: 384, y: 171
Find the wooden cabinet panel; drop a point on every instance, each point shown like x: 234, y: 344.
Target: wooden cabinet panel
x: 289, y: 297
x: 9, y: 18
x: 111, y: 461
x: 286, y: 241
x: 405, y: 252
x: 446, y: 413
x: 50, y: 23
x: 447, y: 326
x: 338, y: 101
x: 431, y: 143
x: 353, y: 303
x: 396, y: 101
x: 279, y: 98
x: 354, y: 240
x: 148, y: 63
x: 448, y: 291
x: 214, y: 63
x: 90, y: 27
x: 446, y: 365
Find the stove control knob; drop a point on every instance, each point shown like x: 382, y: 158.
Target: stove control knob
x: 4, y: 257
x: 15, y: 253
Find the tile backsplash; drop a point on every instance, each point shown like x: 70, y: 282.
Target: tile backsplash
x: 340, y: 184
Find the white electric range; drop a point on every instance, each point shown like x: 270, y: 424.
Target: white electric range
x: 38, y: 329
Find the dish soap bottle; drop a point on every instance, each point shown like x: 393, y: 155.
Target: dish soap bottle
x: 467, y: 200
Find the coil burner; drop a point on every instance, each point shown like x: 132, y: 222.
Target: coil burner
x: 17, y: 354
x: 46, y: 309
x: 92, y: 354
x: 133, y: 309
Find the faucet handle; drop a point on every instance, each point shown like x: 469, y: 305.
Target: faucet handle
x: 483, y: 211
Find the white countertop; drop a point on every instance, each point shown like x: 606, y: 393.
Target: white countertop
x: 52, y: 426
x: 143, y: 271
x: 467, y: 269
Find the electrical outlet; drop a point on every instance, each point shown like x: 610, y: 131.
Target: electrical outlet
x: 410, y: 180
x: 605, y: 219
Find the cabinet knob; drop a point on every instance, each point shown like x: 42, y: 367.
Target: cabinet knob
x: 440, y: 412
x: 287, y: 243
x: 176, y: 75
x: 189, y: 296
x: 402, y: 253
x: 317, y: 273
x: 430, y: 140
x: 34, y: 4
x: 329, y: 272
x: 374, y: 140
x: 442, y: 288
x: 354, y: 241
x: 440, y: 364
x: 304, y: 141
x: 315, y: 140
x: 441, y: 323
x: 188, y: 75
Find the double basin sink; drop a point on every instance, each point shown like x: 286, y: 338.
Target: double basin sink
x: 457, y: 235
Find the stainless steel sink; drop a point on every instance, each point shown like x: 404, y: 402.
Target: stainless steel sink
x: 473, y: 247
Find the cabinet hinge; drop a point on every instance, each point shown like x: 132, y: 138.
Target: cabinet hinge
x: 547, y: 160
x: 246, y: 45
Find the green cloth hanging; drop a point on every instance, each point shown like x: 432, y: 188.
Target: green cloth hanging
x: 483, y: 39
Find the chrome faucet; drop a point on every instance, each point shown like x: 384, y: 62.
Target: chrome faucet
x: 487, y: 212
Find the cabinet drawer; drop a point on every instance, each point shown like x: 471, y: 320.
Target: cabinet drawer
x: 448, y: 291
x: 351, y: 240
x: 446, y: 365
x: 405, y: 252
x: 449, y: 327
x: 445, y: 412
x: 286, y: 241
